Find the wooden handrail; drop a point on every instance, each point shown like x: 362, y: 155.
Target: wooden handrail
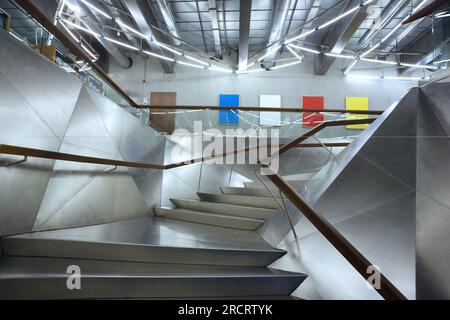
x: 46, y: 154
x: 262, y: 109
x: 387, y: 290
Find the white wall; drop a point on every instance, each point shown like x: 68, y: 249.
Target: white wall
x: 202, y: 87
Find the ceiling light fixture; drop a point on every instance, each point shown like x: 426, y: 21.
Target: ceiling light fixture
x: 96, y: 9
x: 294, y: 53
x: 190, y: 64
x: 285, y: 65
x: 304, y: 49
x: 336, y: 55
x: 274, y: 49
x: 162, y: 45
x: 328, y: 23
x: 121, y: 44
x: 77, y: 26
x: 140, y: 34
x: 159, y: 56
x: 196, y: 60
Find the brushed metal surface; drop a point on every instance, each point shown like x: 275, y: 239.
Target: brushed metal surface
x: 368, y: 193
x: 254, y: 192
x: 50, y: 91
x: 258, y: 202
x: 433, y: 204
x: 83, y: 194
x: 214, y: 219
x: 158, y: 231
x: 102, y: 279
x: 224, y: 208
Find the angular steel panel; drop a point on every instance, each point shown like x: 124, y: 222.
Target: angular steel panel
x: 49, y: 90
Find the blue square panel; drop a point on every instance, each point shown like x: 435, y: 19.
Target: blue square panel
x: 225, y: 116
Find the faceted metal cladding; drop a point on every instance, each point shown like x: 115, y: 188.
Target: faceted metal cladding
x: 44, y: 107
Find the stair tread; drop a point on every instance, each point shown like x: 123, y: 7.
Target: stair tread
x: 32, y: 267
x: 254, y: 192
x: 157, y: 232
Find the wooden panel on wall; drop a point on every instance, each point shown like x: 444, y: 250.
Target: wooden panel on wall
x: 357, y: 103
x: 312, y: 119
x: 163, y: 122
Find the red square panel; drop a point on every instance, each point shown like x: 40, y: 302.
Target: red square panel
x: 311, y: 119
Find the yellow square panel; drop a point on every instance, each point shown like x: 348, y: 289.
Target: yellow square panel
x: 357, y: 103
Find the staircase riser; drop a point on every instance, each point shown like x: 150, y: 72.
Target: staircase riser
x: 256, y: 213
x: 141, y: 287
x: 268, y: 203
x: 212, y: 220
x: 137, y: 253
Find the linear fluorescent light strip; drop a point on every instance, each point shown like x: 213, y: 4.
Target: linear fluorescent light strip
x: 395, y: 28
x: 69, y: 32
x: 379, y: 61
x: 17, y: 37
x: 196, y: 60
x: 294, y: 53
x: 131, y: 29
x: 328, y: 23
x: 76, y: 26
x: 162, y: 45
x: 286, y: 65
x: 336, y: 55
x: 96, y: 9
x: 251, y: 71
x: 441, y: 61
x: 190, y: 64
x: 422, y: 66
x: 159, y: 56
x: 370, y: 50
x: 220, y: 69
x: 352, y: 64
x: 88, y: 51
x: 121, y: 44
x: 303, y: 48
x: 357, y: 76
x: 276, y: 48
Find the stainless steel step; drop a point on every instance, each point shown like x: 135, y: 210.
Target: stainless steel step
x: 61, y: 248
x: 215, y: 219
x: 296, y: 181
x: 254, y: 192
x: 258, y: 202
x: 46, y: 278
x: 223, y: 208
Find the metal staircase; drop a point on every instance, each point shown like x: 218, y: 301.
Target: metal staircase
x: 205, y: 248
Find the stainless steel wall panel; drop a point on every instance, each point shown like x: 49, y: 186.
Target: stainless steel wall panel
x: 21, y: 185
x: 82, y: 194
x: 385, y: 235
x: 50, y: 91
x: 433, y: 204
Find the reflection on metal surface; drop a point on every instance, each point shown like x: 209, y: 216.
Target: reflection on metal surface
x: 46, y: 108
